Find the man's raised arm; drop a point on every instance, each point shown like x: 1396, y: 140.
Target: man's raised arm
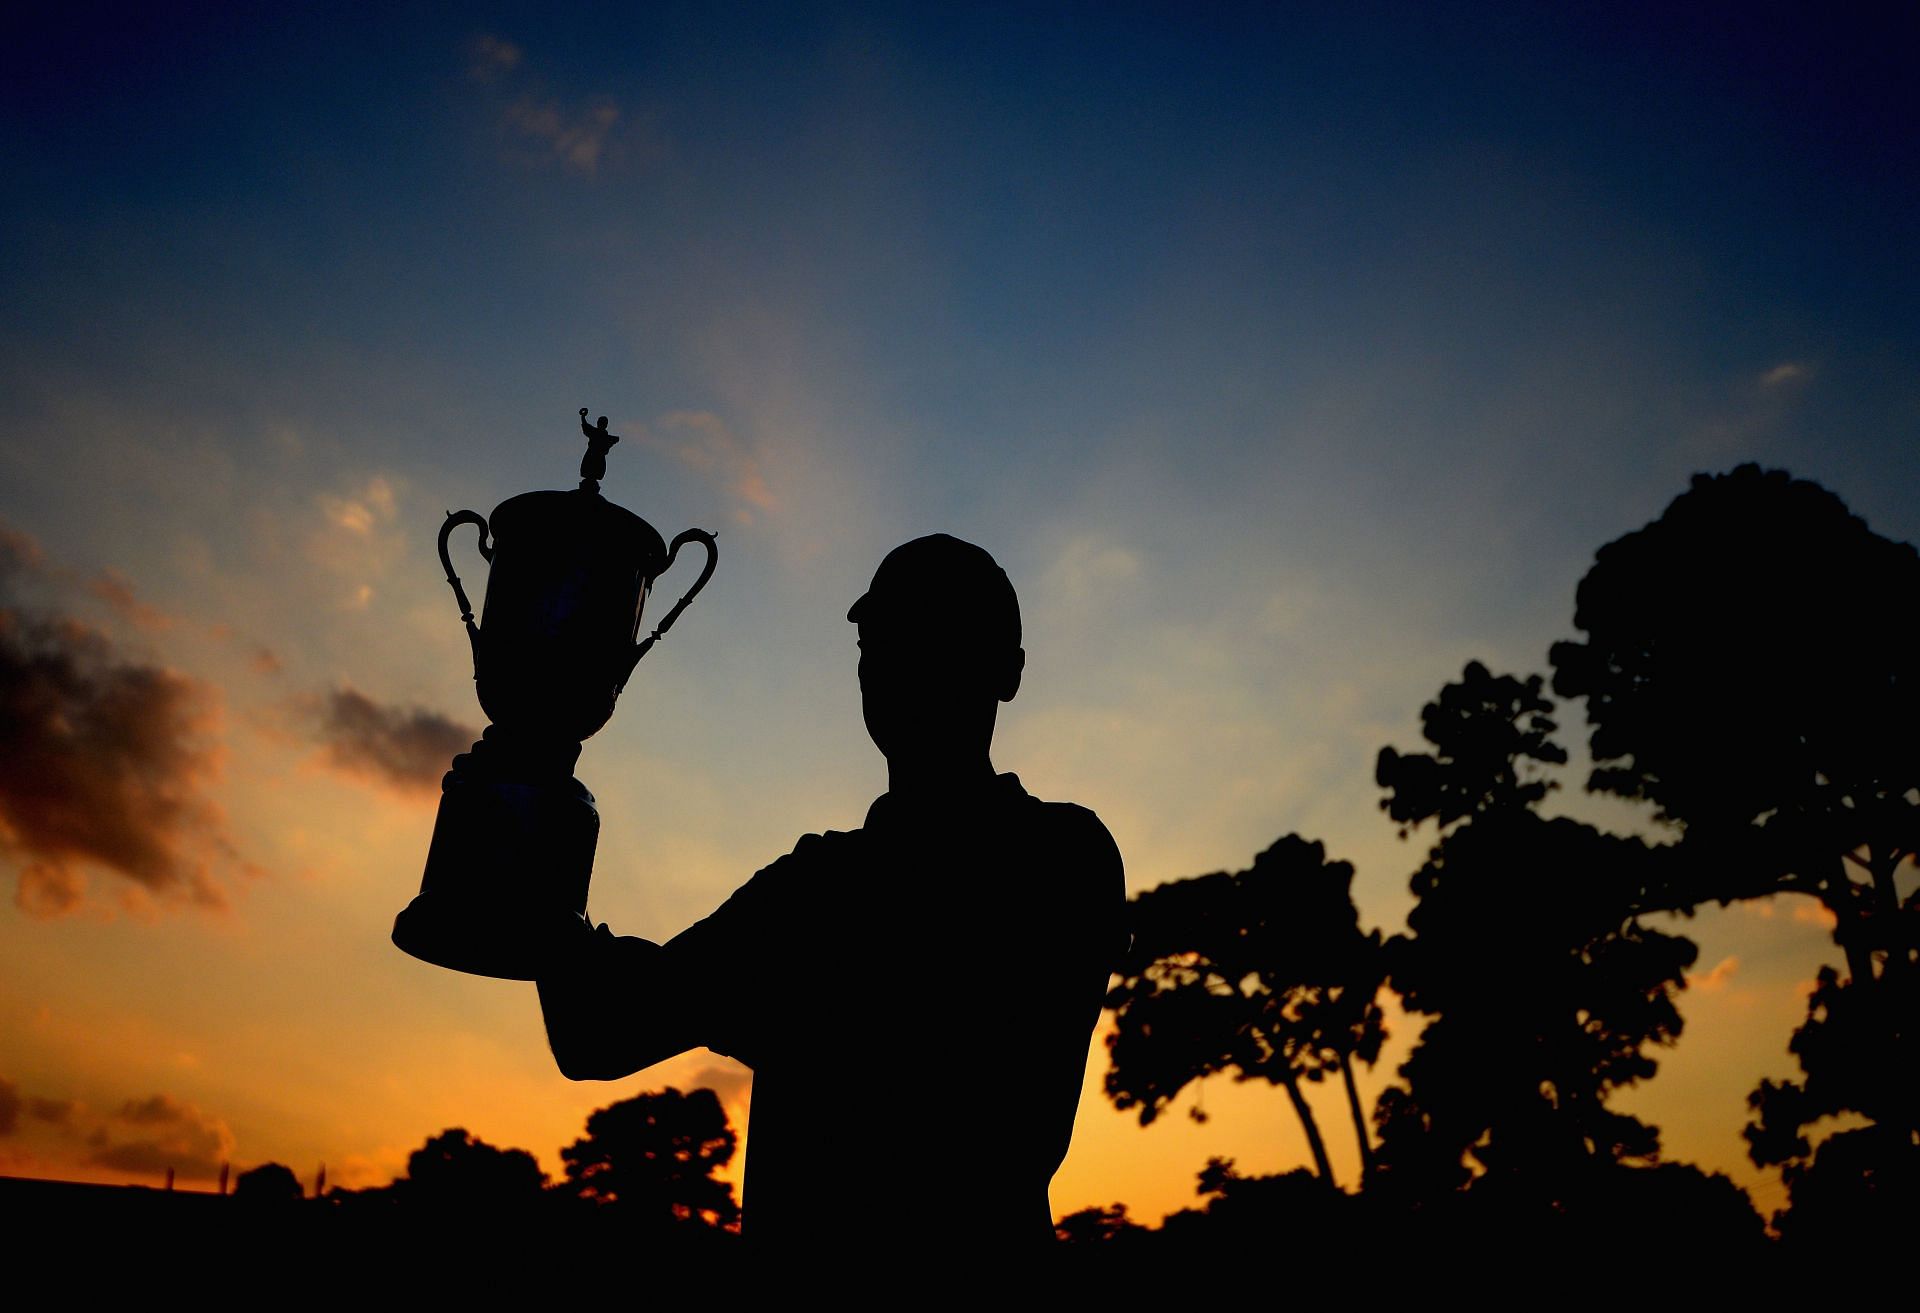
x: 617, y: 1004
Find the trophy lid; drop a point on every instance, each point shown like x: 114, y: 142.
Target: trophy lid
x: 582, y: 513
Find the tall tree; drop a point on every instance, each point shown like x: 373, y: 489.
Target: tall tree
x: 1524, y: 949
x: 1263, y: 972
x: 1748, y: 671
x: 654, y: 1156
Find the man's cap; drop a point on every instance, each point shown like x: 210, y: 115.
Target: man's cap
x: 943, y: 580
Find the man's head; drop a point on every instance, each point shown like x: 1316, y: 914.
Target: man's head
x: 939, y: 649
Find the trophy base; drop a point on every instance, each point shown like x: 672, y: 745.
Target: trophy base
x: 462, y: 935
x: 506, y: 873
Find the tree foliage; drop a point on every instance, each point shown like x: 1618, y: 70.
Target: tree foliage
x: 1263, y: 972
x: 1099, y: 1226
x: 1859, y: 1054
x: 455, y: 1169
x: 1243, y: 1212
x: 1746, y: 669
x: 1544, y: 988
x: 268, y: 1183
x: 1491, y: 737
x: 654, y: 1156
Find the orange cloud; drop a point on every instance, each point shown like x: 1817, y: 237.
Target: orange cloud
x: 56, y: 1112
x: 167, y: 1134
x: 733, y: 1084
x: 359, y: 1171
x: 1809, y: 912
x: 406, y: 749
x: 105, y: 762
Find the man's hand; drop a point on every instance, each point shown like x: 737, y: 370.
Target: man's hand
x: 608, y: 1003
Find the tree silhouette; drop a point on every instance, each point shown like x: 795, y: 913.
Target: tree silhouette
x: 453, y: 1169
x: 1746, y: 670
x: 1100, y: 1226
x: 1741, y: 673
x: 1860, y: 1055
x: 1262, y: 972
x: 1523, y: 947
x: 268, y: 1183
x: 1491, y: 739
x: 1245, y: 1214
x: 654, y: 1157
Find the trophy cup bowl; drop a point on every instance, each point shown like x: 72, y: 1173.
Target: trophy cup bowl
x: 513, y: 843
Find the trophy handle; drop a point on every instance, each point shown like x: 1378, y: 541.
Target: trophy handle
x: 705, y: 539
x: 455, y: 518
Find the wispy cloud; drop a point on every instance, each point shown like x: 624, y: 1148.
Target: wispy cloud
x: 1089, y: 570
x: 1717, y: 978
x: 358, y: 1171
x: 703, y: 442
x: 576, y: 137
x: 116, y: 590
x: 581, y: 134
x: 1787, y: 371
x: 733, y: 1083
x: 354, y: 540
x: 489, y: 57
x: 361, y: 512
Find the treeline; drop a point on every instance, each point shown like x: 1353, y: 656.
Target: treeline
x: 639, y: 1208
x: 1748, y: 672
x: 648, y: 1163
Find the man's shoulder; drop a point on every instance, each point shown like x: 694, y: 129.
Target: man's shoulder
x: 1075, y: 843
x: 1071, y: 824
x: 820, y: 849
x: 811, y: 854
x: 1087, y: 884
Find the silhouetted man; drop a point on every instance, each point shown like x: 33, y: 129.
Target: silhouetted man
x: 915, y: 996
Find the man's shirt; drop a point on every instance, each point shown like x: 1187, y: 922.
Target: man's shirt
x: 915, y: 998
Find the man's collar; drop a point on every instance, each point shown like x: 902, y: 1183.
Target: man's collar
x: 998, y: 791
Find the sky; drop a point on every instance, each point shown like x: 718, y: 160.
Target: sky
x: 1287, y: 357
